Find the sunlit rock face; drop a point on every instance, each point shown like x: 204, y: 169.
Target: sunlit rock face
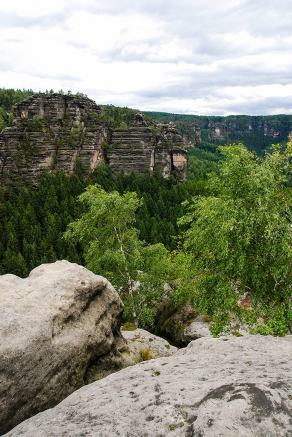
x: 57, y: 132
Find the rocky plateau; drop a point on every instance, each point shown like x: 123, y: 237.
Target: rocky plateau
x: 235, y: 387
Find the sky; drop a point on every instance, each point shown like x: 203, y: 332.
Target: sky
x: 208, y: 57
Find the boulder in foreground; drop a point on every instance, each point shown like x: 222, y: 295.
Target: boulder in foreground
x: 54, y: 326
x: 235, y: 387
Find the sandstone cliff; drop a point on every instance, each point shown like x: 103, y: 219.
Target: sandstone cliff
x: 51, y: 132
x: 55, y: 132
x: 257, y: 132
x: 238, y: 128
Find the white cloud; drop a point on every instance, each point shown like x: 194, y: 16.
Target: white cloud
x: 195, y: 56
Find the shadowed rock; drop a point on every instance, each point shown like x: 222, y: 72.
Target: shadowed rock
x: 54, y: 326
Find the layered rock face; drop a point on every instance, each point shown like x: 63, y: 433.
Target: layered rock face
x: 146, y: 148
x: 55, y: 326
x: 215, y: 387
x: 54, y: 132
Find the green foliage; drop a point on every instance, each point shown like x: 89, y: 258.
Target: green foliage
x: 36, y: 123
x: 112, y: 248
x: 75, y: 135
x: 52, y: 205
x: 117, y: 118
x: 106, y: 233
x: 8, y: 98
x: 32, y: 222
x: 202, y: 162
x: 240, y: 238
x: 263, y: 133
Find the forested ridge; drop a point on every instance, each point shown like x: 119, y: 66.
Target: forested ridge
x: 256, y: 132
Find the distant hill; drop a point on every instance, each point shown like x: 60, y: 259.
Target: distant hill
x: 257, y: 132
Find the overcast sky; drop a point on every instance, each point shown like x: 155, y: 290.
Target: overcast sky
x: 186, y: 56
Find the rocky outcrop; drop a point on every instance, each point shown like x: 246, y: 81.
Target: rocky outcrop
x: 172, y: 322
x: 198, y: 328
x: 145, y: 346
x: 146, y: 148
x: 52, y: 132
x: 215, y: 387
x: 256, y: 132
x: 197, y: 134
x: 56, y: 132
x: 55, y: 326
x: 238, y: 128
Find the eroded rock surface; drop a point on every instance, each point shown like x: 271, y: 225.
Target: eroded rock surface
x: 197, y: 329
x: 144, y: 345
x: 52, y: 132
x: 54, y: 326
x: 235, y: 387
x: 56, y: 132
x: 148, y: 148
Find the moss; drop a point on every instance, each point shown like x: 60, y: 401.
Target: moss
x: 36, y: 123
x: 129, y: 327
x: 147, y: 354
x: 75, y: 135
x: 107, y: 147
x: 236, y: 333
x: 174, y: 426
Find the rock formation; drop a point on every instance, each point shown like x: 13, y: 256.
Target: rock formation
x: 237, y: 128
x: 144, y: 346
x: 215, y: 387
x: 197, y: 329
x: 173, y: 323
x: 145, y: 147
x: 55, y: 326
x: 52, y: 132
x: 55, y: 132
x: 256, y: 132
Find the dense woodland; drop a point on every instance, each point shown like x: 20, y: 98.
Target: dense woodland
x: 226, y: 231
x: 237, y: 128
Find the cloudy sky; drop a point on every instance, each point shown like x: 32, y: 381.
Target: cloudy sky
x: 185, y: 56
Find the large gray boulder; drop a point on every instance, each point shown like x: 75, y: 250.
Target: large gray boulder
x: 54, y: 326
x: 229, y: 387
